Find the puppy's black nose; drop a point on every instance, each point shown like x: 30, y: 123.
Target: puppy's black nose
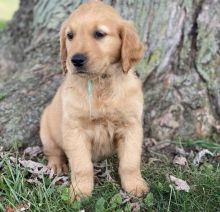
x: 79, y: 60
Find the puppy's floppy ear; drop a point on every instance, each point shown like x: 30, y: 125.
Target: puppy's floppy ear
x: 63, y: 51
x: 132, y: 49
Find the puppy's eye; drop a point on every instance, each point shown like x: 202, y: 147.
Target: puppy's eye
x: 70, y: 35
x: 99, y: 34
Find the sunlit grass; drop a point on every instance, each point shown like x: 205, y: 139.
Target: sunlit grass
x: 7, y: 9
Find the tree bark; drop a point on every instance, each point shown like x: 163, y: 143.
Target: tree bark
x: 180, y: 70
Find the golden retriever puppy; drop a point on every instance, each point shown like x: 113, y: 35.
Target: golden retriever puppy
x: 97, y: 111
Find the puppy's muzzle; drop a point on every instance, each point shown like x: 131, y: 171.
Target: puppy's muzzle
x: 79, y: 61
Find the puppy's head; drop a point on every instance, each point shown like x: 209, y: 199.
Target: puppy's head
x: 94, y: 38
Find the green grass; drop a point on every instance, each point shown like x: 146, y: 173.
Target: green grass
x: 2, y: 96
x: 7, y: 9
x: 205, y: 143
x: 2, y: 24
x: 204, y: 195
x: 204, y: 192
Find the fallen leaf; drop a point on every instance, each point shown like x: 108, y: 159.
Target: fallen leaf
x: 152, y: 160
x: 160, y: 146
x: 101, y: 170
x: 180, y: 160
x: 33, y: 151
x: 168, y: 120
x: 217, y: 156
x: 8, y: 208
x: 135, y: 206
x: 125, y: 197
x: 22, y: 207
x: 197, y: 160
x: 13, y: 159
x: 180, y: 151
x: 34, y: 167
x: 61, y: 180
x: 217, y: 127
x: 18, y: 208
x: 180, y: 185
x: 34, y: 181
x: 149, y: 142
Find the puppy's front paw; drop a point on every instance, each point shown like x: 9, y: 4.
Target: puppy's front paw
x: 78, y: 191
x: 136, y: 186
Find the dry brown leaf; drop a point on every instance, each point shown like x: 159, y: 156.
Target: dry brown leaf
x: 125, y: 197
x: 152, y: 160
x: 180, y: 184
x: 39, y: 170
x: 149, y: 142
x: 217, y: 126
x: 34, y: 181
x: 180, y: 151
x: 33, y: 151
x: 13, y: 159
x: 180, y: 160
x: 22, y: 207
x: 160, y: 146
x: 101, y: 170
x: 135, y: 206
x: 19, y: 207
x: 61, y: 180
x: 168, y: 120
x: 200, y: 155
x: 34, y: 167
x: 217, y: 156
x: 8, y: 208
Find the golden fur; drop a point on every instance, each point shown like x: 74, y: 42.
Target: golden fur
x: 70, y: 129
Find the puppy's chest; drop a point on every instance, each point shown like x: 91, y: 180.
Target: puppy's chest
x: 105, y: 114
x: 102, y: 118
x: 101, y: 106
x: 104, y: 125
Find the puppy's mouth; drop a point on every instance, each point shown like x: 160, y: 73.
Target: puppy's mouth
x: 85, y: 72
x: 81, y: 71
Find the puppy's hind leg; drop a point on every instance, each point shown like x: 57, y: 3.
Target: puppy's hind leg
x: 57, y: 160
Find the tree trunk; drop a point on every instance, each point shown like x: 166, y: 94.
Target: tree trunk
x: 180, y: 70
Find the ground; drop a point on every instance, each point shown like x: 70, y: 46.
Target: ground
x: 19, y: 188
